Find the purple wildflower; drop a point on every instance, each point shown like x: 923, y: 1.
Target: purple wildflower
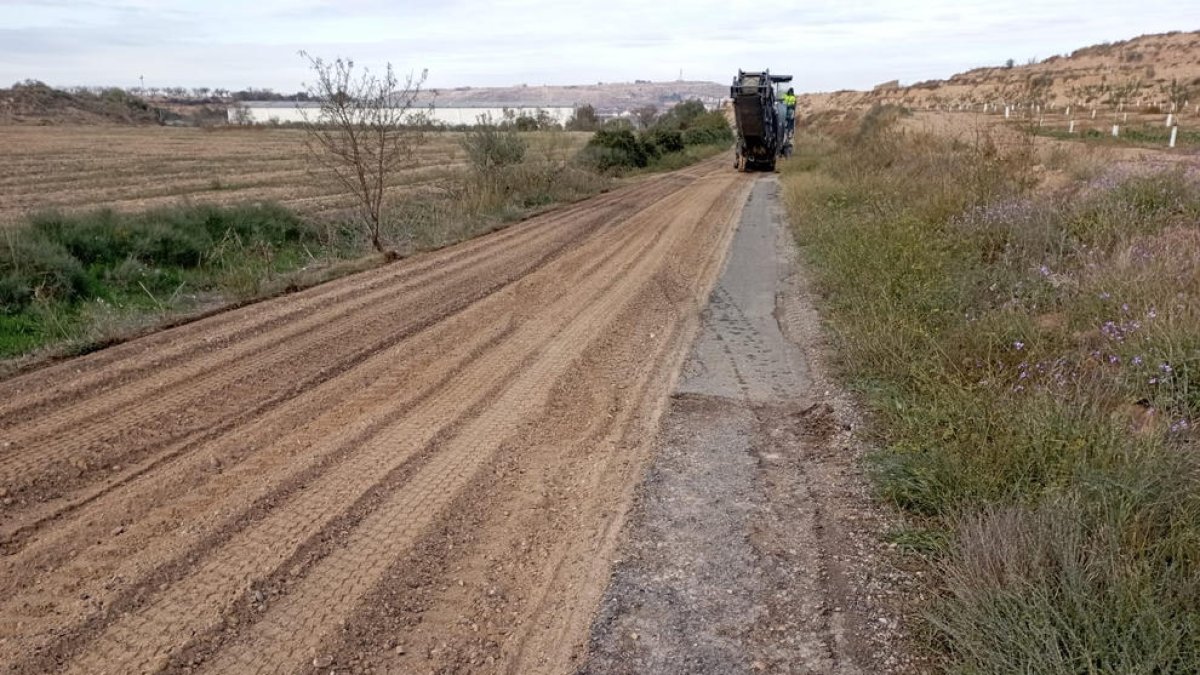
x: 1165, y: 367
x: 1137, y: 361
x: 1018, y: 345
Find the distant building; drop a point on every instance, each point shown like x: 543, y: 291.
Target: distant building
x: 283, y: 112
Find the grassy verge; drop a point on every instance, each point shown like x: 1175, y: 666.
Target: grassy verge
x: 80, y: 279
x: 1032, y: 362
x: 1150, y: 135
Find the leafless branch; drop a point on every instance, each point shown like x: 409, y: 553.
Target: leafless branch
x: 363, y: 132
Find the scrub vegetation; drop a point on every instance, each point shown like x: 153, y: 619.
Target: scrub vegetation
x: 1031, y: 359
x: 675, y: 139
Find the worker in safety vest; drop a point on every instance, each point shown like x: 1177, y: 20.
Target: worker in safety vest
x: 789, y: 102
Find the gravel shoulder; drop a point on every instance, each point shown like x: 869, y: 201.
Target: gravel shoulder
x: 754, y: 545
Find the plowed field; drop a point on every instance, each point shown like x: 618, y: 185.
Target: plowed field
x: 131, y: 168
x: 419, y: 468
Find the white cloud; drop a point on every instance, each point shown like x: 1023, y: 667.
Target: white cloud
x: 825, y: 44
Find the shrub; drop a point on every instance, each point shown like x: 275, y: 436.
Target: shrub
x: 662, y: 140
x: 614, y: 149
x: 490, y: 147
x: 683, y: 115
x: 710, y: 128
x: 32, y: 266
x: 583, y: 119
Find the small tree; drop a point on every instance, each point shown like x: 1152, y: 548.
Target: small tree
x: 584, y: 119
x: 646, y: 116
x: 361, y: 134
x: 1176, y: 93
x: 683, y: 114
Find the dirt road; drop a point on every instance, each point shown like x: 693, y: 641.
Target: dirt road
x: 754, y: 546
x: 420, y: 468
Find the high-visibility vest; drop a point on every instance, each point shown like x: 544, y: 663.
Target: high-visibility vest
x: 789, y: 100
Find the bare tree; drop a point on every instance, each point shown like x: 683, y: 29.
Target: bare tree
x: 1176, y: 93
x: 363, y: 133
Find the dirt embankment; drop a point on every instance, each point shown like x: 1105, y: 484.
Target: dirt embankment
x: 1159, y: 72
x: 420, y: 467
x: 33, y: 102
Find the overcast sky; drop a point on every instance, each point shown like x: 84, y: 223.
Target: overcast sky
x: 826, y: 44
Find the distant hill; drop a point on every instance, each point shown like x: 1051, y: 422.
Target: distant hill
x: 1146, y: 70
x: 611, y: 96
x: 33, y: 102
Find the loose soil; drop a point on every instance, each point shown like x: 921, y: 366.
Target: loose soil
x: 421, y: 468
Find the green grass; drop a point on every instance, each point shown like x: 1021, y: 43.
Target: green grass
x: 59, y: 272
x: 1142, y: 135
x: 1010, y: 344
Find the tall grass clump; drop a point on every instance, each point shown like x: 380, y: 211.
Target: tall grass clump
x: 1031, y: 359
x: 59, y: 269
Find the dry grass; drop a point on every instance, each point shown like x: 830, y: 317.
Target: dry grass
x: 1030, y: 349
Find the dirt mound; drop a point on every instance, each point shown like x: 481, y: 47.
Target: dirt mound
x: 33, y: 102
x: 1160, y: 71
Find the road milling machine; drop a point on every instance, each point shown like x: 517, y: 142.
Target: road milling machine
x: 763, y: 132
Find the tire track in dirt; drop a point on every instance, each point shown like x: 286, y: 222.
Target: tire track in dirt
x: 332, y: 589
x: 288, y: 528
x: 189, y: 385
x: 83, y: 376
x: 493, y: 310
x: 514, y: 591
x: 327, y: 486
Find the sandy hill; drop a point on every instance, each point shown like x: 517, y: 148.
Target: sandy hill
x: 1150, y: 70
x: 33, y: 102
x: 611, y: 96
